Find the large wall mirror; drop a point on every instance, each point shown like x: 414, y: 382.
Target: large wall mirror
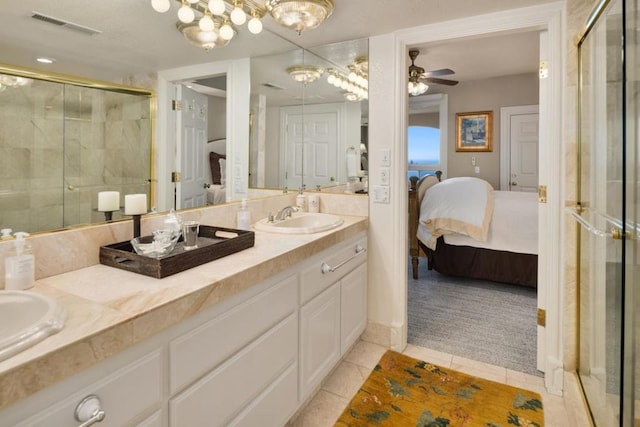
x: 62, y: 142
x: 307, y: 123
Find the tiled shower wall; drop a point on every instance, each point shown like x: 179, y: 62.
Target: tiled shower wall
x: 62, y: 144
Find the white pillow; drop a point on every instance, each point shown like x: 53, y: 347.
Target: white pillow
x: 223, y: 171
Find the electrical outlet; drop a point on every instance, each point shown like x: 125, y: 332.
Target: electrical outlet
x: 477, y: 169
x: 385, y: 157
x: 380, y: 194
x: 384, y: 176
x: 473, y: 161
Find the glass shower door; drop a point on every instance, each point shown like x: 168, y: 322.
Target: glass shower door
x: 602, y: 215
x: 609, y: 100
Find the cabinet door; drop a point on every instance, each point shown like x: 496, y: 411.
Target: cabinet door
x: 353, y: 307
x: 319, y: 338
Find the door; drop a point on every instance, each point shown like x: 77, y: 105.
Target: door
x: 520, y: 129
x: 190, y: 147
x: 310, y: 148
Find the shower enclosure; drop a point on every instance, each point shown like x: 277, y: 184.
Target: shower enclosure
x: 607, y: 210
x: 62, y: 141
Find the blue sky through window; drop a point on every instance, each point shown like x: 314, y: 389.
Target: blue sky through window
x: 424, y: 145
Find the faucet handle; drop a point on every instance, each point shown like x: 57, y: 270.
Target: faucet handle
x: 271, y: 217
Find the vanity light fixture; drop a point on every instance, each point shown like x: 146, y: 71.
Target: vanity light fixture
x: 356, y: 83
x: 305, y: 73
x: 209, y: 23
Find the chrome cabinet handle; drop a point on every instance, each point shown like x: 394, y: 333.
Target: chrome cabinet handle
x: 326, y: 268
x: 88, y: 411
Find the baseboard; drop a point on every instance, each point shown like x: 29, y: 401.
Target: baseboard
x: 376, y: 333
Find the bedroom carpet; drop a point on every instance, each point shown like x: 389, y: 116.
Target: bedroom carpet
x: 481, y: 320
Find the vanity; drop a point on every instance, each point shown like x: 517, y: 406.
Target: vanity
x: 243, y: 340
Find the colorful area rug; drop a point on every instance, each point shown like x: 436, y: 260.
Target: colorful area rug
x: 402, y: 391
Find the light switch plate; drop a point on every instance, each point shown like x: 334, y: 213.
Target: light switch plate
x: 384, y: 176
x: 380, y: 194
x: 385, y: 157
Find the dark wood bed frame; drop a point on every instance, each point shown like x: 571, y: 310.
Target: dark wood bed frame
x: 467, y: 261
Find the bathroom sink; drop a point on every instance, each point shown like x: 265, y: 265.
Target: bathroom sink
x: 301, y: 223
x: 26, y: 318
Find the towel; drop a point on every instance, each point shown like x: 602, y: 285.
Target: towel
x: 353, y: 163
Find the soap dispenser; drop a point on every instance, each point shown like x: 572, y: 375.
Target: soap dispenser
x: 19, y: 268
x: 243, y: 216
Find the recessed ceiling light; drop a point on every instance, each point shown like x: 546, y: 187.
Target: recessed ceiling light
x: 46, y: 60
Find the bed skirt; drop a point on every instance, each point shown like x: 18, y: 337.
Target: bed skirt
x: 487, y: 264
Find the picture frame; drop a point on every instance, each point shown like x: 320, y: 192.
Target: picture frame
x: 474, y: 131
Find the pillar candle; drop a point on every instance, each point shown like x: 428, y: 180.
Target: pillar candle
x: 108, y: 201
x: 135, y: 204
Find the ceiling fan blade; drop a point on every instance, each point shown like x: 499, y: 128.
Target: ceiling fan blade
x: 440, y: 81
x: 440, y: 72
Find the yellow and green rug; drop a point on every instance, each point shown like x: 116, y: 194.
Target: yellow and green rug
x: 402, y: 391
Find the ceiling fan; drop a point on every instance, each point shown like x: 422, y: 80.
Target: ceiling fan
x: 418, y: 77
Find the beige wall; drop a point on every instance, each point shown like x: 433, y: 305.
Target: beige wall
x: 486, y: 95
x: 217, y: 118
x: 431, y: 120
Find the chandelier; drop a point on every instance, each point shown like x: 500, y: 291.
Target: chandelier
x: 209, y: 24
x: 355, y: 83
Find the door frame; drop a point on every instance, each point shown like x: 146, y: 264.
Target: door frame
x: 505, y: 130
x: 388, y: 54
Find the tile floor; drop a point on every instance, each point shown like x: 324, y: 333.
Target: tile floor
x: 336, y: 392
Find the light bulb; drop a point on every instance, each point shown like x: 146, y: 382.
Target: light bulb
x: 238, y: 16
x: 352, y: 76
x: 160, y: 5
x: 344, y: 85
x: 331, y: 79
x: 206, y: 23
x: 217, y: 7
x: 255, y: 25
x: 185, y: 14
x: 226, y: 32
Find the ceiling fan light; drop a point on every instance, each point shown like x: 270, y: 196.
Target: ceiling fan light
x: 160, y: 6
x: 185, y: 14
x: 217, y: 7
x: 300, y: 15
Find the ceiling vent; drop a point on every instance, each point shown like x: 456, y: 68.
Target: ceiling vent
x: 62, y: 23
x: 272, y: 86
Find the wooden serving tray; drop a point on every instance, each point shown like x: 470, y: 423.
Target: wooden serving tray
x: 213, y: 243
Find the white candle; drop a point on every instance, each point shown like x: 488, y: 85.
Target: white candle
x: 135, y: 204
x: 108, y: 201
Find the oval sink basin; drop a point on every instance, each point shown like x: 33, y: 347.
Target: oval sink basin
x: 301, y: 223
x: 26, y: 318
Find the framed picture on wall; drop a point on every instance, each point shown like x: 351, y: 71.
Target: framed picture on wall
x: 474, y: 131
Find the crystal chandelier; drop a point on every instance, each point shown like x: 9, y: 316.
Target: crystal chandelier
x: 209, y: 24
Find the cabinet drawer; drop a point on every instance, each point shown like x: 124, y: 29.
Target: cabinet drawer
x: 275, y: 406
x: 313, y: 280
x: 124, y: 395
x: 223, y: 393
x: 202, y: 349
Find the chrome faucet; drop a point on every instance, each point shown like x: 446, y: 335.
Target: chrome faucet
x: 286, y: 212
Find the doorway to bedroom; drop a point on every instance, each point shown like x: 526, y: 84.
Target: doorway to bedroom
x: 484, y: 320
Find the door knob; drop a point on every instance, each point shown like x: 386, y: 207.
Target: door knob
x: 514, y: 183
x: 206, y: 186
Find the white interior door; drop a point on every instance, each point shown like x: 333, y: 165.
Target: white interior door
x: 321, y: 149
x: 191, y: 144
x: 523, y: 138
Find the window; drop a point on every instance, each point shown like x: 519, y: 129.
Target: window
x: 423, y: 150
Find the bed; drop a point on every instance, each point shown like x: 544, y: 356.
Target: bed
x: 216, y: 192
x: 481, y: 233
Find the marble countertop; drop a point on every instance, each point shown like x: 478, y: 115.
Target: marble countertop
x: 109, y: 310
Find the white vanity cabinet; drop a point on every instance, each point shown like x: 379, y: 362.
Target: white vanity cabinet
x: 252, y: 359
x: 333, y: 289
